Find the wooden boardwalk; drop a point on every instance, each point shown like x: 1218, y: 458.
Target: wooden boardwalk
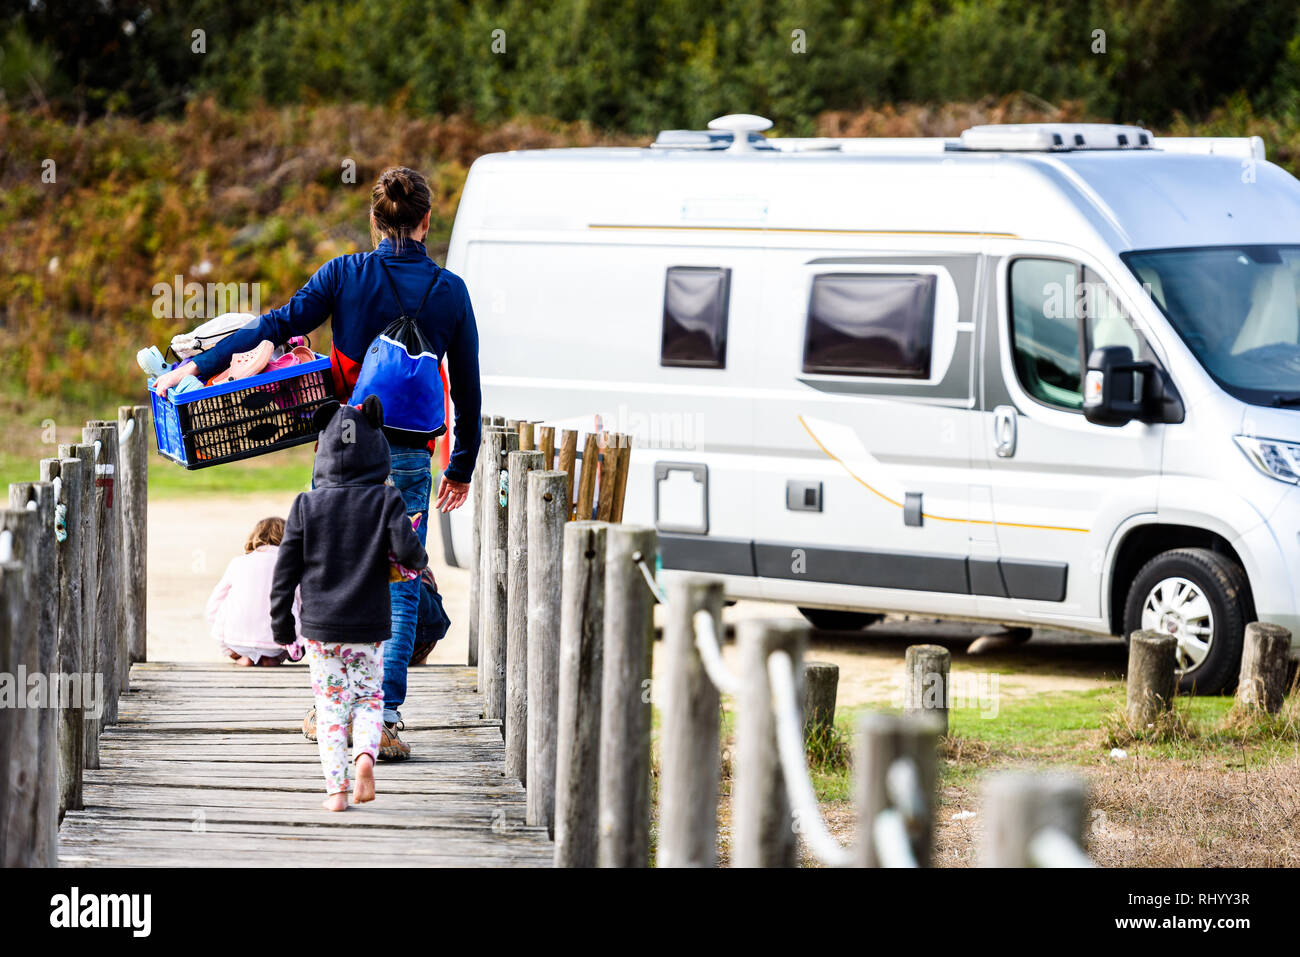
x: 207, y: 766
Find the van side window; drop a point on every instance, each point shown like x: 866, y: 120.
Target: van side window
x: 696, y: 303
x: 1047, y: 297
x: 870, y: 324
x: 1045, y: 331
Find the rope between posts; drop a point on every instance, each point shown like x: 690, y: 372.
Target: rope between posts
x: 649, y: 577
x: 1052, y: 847
x: 891, y: 829
x: 60, y: 511
x: 126, y: 432
x: 706, y: 643
x: 794, y: 766
x: 6, y: 546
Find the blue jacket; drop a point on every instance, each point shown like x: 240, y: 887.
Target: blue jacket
x: 355, y: 292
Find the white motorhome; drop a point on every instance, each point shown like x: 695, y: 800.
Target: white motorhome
x: 1041, y: 375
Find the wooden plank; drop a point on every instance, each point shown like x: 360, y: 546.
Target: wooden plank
x: 207, y: 766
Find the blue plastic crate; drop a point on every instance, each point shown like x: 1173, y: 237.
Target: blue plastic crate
x: 240, y: 419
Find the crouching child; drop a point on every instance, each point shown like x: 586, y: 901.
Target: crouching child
x: 336, y: 549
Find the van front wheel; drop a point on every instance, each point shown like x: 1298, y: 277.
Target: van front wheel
x: 830, y: 619
x: 1200, y: 598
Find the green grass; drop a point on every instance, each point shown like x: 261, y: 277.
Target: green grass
x: 287, y: 471
x: 1071, y: 727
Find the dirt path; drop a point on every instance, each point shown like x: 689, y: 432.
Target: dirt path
x: 192, y: 539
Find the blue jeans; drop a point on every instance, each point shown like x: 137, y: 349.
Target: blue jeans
x: 413, y: 477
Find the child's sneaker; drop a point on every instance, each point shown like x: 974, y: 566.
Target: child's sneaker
x: 152, y: 361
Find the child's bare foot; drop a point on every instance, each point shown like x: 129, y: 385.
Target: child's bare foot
x: 363, y: 789
x: 243, y: 661
x: 336, y: 802
x: 266, y: 662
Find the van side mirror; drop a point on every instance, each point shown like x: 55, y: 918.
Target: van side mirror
x: 1110, y: 395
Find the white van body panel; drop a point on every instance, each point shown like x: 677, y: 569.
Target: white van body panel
x: 565, y: 254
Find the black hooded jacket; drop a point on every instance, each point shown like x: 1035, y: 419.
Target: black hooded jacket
x: 338, y: 536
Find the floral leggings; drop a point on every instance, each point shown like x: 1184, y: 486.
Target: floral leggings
x: 347, y: 680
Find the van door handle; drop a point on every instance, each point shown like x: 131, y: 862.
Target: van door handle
x: 1004, y: 431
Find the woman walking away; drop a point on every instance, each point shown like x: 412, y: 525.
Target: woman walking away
x: 239, y: 610
x: 364, y: 292
x: 338, y: 546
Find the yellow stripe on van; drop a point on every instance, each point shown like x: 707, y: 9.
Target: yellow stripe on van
x: 924, y: 514
x: 814, y: 231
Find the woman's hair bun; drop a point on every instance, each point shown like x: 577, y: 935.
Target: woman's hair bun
x: 399, y: 201
x: 395, y: 186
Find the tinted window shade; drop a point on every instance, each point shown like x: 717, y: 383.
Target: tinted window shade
x: 870, y: 325
x: 695, y: 317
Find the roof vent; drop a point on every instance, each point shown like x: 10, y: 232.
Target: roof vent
x: 1054, y: 137
x: 736, y: 133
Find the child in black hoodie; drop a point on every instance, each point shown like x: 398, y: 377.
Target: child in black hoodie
x: 336, y: 547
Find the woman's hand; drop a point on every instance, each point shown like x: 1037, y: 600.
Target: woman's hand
x: 169, y: 379
x: 451, y: 494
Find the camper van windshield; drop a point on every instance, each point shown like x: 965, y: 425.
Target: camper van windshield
x: 1238, y: 310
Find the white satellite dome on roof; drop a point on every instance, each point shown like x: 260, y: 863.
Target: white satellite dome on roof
x: 740, y: 125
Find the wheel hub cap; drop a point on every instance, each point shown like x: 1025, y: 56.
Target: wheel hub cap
x: 1178, y: 607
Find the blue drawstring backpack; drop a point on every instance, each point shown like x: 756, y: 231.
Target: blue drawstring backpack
x: 401, y: 368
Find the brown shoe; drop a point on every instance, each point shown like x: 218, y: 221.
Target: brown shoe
x: 391, y: 747
x: 309, y: 726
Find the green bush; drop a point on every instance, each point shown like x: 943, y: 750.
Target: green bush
x: 643, y: 65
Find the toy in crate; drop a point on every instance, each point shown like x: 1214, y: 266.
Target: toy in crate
x: 198, y: 426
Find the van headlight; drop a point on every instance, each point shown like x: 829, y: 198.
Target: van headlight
x: 1281, y: 460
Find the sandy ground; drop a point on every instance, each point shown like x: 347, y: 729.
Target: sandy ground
x: 192, y: 539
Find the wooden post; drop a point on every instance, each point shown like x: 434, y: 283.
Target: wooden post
x: 821, y: 681
x: 18, y: 758
x: 624, y: 466
x: 476, y: 557
x: 761, y: 817
x: 492, y: 615
x: 926, y: 690
x: 20, y: 660
x: 1018, y: 805
x: 1151, y: 678
x: 89, y: 534
x: 625, y: 699
x: 527, y: 437
x: 884, y: 739
x: 548, y: 511
x: 689, y: 757
x: 587, y: 478
x: 608, y: 476
x: 108, y: 586
x: 43, y: 576
x: 546, y: 443
x: 1261, y: 685
x: 520, y: 465
x: 133, y: 487
x: 615, y: 453
x: 70, y: 732
x: 499, y: 421
x: 577, y: 749
x: 569, y: 462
